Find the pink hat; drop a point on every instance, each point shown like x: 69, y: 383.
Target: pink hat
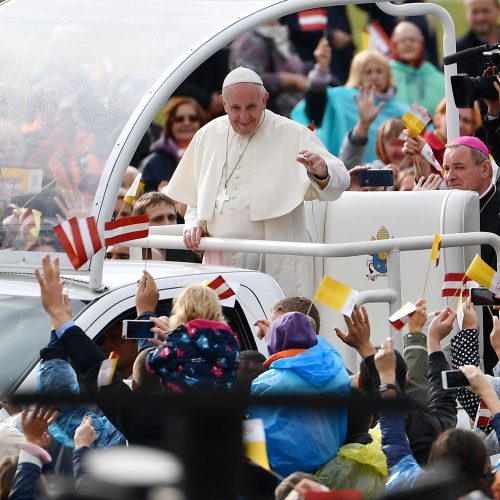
x: 471, y: 142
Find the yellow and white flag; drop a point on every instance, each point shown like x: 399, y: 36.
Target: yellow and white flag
x: 254, y: 442
x: 336, y: 295
x: 436, y: 246
x: 416, y: 118
x: 482, y: 273
x: 135, y: 190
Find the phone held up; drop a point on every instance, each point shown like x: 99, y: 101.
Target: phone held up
x: 454, y: 378
x: 376, y: 178
x: 483, y: 297
x: 137, y: 329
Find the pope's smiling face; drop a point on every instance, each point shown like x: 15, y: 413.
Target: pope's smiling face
x: 244, y: 104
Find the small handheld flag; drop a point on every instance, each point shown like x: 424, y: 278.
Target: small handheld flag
x: 30, y: 221
x: 313, y: 19
x: 135, y: 190
x: 453, y: 283
x: 402, y: 315
x: 79, y: 238
x: 223, y: 290
x: 107, y: 370
x: 483, y: 415
x: 126, y: 229
x: 436, y: 246
x: 336, y: 295
x: 254, y: 442
x: 416, y: 118
x: 428, y: 154
x: 483, y: 274
x: 373, y: 37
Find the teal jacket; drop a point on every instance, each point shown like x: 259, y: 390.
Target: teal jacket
x: 296, y: 439
x: 341, y: 115
x: 424, y: 85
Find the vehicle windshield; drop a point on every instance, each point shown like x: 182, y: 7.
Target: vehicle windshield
x: 25, y: 330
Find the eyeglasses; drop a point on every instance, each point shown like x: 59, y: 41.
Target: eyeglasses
x: 189, y: 118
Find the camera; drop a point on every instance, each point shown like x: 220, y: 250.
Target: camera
x: 468, y: 89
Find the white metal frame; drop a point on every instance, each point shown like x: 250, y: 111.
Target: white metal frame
x: 168, y: 82
x: 393, y: 246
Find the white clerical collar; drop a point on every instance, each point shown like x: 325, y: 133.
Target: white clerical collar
x: 486, y: 191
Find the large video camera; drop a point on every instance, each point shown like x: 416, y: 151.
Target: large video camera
x: 467, y: 89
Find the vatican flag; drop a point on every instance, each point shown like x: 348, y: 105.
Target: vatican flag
x: 482, y: 273
x: 254, y: 442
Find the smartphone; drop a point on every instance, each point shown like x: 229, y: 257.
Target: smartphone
x: 483, y: 297
x: 137, y: 329
x: 454, y: 378
x: 375, y: 178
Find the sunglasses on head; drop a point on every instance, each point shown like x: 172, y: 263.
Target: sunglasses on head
x: 189, y: 118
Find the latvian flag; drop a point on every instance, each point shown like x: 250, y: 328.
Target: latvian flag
x: 452, y: 284
x: 79, y: 238
x: 126, y: 229
x: 313, y: 20
x: 483, y: 415
x: 28, y: 222
x: 223, y: 290
x: 402, y: 315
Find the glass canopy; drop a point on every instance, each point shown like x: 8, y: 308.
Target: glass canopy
x: 76, y: 80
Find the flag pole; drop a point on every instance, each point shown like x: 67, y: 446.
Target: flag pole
x: 426, y: 277
x: 491, y: 314
x: 310, y: 307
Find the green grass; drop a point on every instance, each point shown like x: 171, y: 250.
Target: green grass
x: 454, y: 7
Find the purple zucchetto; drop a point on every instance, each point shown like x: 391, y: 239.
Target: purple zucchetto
x: 471, y: 142
x: 293, y: 330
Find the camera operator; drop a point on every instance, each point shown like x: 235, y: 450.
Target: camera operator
x: 482, y: 18
x: 491, y: 121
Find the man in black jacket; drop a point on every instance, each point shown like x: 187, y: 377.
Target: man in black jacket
x: 482, y: 16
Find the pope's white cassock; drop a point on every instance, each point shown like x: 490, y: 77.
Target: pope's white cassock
x: 252, y: 187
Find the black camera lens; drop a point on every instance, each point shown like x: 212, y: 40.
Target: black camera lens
x: 467, y: 89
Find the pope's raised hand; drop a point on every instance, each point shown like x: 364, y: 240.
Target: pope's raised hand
x: 314, y: 164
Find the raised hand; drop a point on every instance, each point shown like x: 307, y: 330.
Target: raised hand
x: 419, y: 317
x: 313, y: 162
x: 51, y: 292
x: 358, y: 332
x: 429, y: 183
x: 367, y: 109
x: 36, y: 423
x: 85, y: 433
x: 147, y: 295
x: 385, y: 362
x: 262, y: 327
x: 470, y: 317
x: 323, y: 54
x: 440, y: 328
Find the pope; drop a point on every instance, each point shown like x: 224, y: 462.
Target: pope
x: 247, y: 174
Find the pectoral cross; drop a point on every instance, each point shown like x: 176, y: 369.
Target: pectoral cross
x: 221, y: 199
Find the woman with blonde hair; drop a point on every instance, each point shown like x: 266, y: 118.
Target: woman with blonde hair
x: 201, y: 350
x: 334, y: 110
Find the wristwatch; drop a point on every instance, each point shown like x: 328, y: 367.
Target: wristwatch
x: 386, y: 387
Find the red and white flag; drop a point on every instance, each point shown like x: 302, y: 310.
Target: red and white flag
x: 223, y: 290
x: 27, y: 221
x: 483, y: 415
x: 452, y: 284
x: 126, y: 229
x: 313, y: 19
x: 402, y: 315
x: 79, y: 238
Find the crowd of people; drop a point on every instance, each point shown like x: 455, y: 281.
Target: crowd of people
x: 237, y: 156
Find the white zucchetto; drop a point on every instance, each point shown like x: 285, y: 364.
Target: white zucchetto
x: 241, y: 75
